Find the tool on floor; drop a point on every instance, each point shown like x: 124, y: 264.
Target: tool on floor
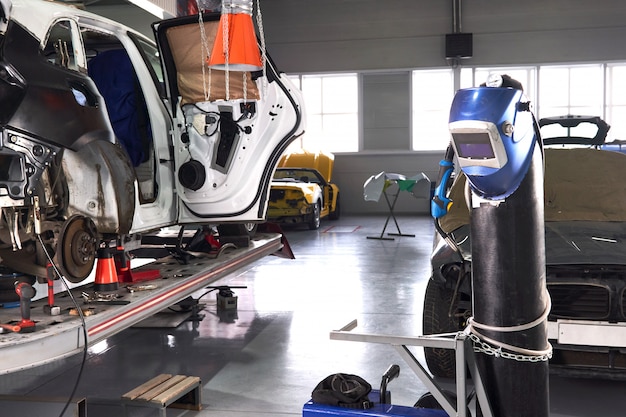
x: 106, y: 298
x: 144, y: 287
x: 26, y: 292
x: 10, y: 328
x: 226, y: 299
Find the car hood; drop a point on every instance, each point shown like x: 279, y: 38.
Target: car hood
x: 569, y: 243
x: 304, y: 187
x: 579, y: 242
x: 322, y: 162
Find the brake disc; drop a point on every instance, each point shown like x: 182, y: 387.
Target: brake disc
x: 77, y: 247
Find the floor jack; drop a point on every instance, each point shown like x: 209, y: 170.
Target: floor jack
x: 449, y: 405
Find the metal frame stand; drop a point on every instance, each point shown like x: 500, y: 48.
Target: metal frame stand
x: 389, y: 216
x: 464, y: 353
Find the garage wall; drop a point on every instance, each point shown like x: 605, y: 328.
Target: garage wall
x: 363, y: 35
x: 384, y: 40
x: 352, y: 170
x: 374, y: 37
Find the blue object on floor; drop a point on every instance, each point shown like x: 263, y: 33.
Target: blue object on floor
x: 14, y: 304
x: 311, y: 409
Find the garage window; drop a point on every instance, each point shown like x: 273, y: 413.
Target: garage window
x: 331, y: 105
x: 616, y: 100
x: 433, y: 91
x: 571, y: 90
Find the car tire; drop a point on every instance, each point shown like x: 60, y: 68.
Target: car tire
x: 428, y: 401
x: 335, y: 214
x: 315, y: 221
x: 441, y: 362
x: 237, y: 229
x: 7, y: 285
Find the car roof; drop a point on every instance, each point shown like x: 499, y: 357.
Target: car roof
x: 38, y: 15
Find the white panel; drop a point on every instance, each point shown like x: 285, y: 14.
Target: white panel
x: 590, y: 333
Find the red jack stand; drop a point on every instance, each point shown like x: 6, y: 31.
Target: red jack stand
x: 26, y: 292
x: 126, y: 274
x: 106, y: 275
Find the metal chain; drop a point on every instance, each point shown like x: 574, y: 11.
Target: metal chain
x: 487, y: 349
x: 245, y: 85
x: 205, y: 54
x: 259, y: 22
x: 225, y: 42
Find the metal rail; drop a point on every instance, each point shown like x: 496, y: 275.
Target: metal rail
x: 61, y: 336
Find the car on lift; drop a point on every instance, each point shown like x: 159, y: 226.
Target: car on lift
x: 585, y: 235
x: 302, y: 191
x: 107, y: 135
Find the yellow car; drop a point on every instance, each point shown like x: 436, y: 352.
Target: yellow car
x: 302, y: 191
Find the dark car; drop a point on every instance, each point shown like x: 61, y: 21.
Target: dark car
x: 585, y: 225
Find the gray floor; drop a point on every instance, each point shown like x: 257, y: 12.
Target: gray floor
x: 265, y: 358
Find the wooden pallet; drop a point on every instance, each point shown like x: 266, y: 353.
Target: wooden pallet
x: 165, y: 390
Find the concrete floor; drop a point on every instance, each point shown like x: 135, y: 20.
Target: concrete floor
x: 265, y: 358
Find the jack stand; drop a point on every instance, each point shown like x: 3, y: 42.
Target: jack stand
x: 126, y: 274
x: 26, y: 292
x: 106, y: 274
x: 50, y: 308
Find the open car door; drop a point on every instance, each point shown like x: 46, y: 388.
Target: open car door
x: 231, y: 127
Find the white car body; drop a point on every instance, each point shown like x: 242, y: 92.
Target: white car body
x: 184, y: 177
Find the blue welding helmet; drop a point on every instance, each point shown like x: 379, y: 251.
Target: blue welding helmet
x: 493, y: 135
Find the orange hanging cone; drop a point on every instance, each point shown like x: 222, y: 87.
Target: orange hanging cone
x: 240, y: 52
x: 106, y: 275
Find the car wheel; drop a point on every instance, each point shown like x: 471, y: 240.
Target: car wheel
x: 250, y: 228
x: 335, y: 214
x: 237, y: 229
x: 314, y: 223
x: 436, y: 319
x: 8, y: 278
x: 429, y: 401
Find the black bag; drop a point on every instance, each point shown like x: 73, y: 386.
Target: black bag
x: 343, y: 390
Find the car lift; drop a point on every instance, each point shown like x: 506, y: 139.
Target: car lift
x: 60, y: 335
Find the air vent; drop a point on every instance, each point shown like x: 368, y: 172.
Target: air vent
x: 579, y: 301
